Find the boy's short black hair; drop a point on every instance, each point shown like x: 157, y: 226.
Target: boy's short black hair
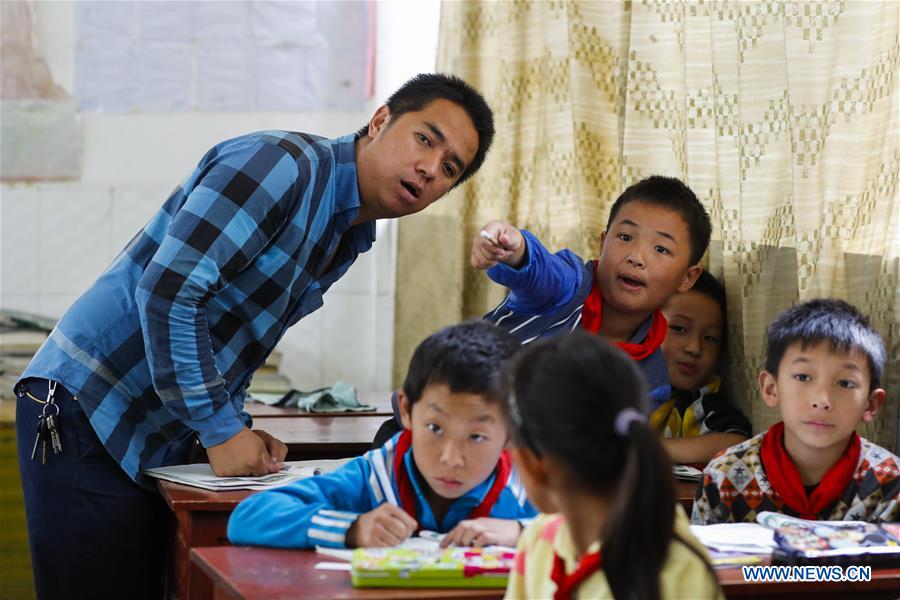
x: 825, y: 320
x: 673, y: 194
x: 467, y: 358
x: 709, y: 286
x: 425, y: 88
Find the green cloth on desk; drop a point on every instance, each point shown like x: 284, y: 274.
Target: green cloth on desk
x: 341, y: 397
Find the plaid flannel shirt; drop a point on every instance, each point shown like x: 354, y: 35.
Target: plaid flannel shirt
x: 165, y: 342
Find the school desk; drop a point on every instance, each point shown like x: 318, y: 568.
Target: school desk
x: 201, y: 516
x: 684, y: 493
x: 201, y: 519
x: 380, y: 400
x: 269, y: 574
x: 260, y: 573
x: 322, y: 436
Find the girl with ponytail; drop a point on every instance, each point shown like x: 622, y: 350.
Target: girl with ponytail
x: 586, y: 454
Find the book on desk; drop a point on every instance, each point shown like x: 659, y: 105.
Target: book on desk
x: 453, y: 567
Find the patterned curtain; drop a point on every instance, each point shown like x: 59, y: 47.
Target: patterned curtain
x: 782, y: 116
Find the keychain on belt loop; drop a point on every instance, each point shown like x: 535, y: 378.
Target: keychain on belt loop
x: 48, y: 426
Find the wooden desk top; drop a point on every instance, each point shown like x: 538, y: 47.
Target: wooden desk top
x: 184, y: 497
x: 684, y: 493
x: 265, y: 573
x: 380, y: 400
x: 324, y: 433
x: 257, y: 573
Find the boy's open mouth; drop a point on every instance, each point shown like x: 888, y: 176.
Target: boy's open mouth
x: 631, y: 283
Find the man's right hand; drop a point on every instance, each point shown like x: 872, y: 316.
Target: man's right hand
x: 387, y: 525
x: 243, y: 454
x: 510, y: 247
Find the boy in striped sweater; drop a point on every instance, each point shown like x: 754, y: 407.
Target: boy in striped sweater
x: 656, y: 234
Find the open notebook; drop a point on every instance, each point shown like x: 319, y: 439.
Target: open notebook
x: 201, y: 475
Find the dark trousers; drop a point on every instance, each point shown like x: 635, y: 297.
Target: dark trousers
x: 94, y: 533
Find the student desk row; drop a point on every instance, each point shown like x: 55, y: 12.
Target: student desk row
x: 201, y: 519
x: 261, y: 573
x: 201, y: 516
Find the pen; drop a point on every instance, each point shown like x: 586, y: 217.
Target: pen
x: 490, y: 238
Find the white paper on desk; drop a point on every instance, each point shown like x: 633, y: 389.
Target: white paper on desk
x: 201, y: 475
x: 412, y: 543
x: 686, y: 472
x: 424, y: 545
x: 749, y: 538
x: 333, y: 566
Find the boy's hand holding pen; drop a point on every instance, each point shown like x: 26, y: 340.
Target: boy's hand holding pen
x: 498, y: 242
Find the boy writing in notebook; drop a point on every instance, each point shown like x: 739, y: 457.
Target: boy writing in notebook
x: 656, y: 234
x: 447, y: 471
x: 823, y: 368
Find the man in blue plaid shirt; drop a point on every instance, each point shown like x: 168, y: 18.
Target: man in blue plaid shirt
x: 160, y: 350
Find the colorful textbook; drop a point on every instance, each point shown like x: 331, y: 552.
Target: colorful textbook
x: 440, y: 568
x: 799, y: 541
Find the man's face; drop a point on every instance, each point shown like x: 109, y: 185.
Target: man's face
x: 822, y: 395
x: 406, y: 163
x: 694, y: 339
x: 645, y: 257
x: 457, y: 438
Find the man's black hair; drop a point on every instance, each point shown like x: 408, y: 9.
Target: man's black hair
x: 673, y: 194
x: 467, y: 358
x: 425, y: 88
x: 825, y: 320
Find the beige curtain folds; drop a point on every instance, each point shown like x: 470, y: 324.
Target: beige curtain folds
x: 784, y: 117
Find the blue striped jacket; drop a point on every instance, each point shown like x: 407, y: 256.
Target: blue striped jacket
x: 546, y: 298
x: 318, y: 511
x: 164, y: 343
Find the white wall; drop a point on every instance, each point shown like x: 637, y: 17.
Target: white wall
x: 55, y: 238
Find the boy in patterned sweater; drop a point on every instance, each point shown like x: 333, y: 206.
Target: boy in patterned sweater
x: 823, y: 366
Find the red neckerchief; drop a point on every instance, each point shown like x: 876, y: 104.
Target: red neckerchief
x: 408, y: 495
x: 566, y: 584
x: 592, y: 318
x: 782, y: 473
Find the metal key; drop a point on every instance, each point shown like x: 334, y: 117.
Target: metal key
x: 55, y: 439
x: 41, y: 429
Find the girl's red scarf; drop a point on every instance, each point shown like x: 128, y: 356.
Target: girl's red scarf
x: 592, y: 318
x: 785, y: 478
x: 566, y: 584
x: 408, y: 495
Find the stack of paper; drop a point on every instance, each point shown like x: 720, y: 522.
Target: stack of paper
x: 732, y: 544
x: 686, y: 472
x: 201, y: 475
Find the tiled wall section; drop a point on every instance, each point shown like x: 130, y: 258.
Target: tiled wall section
x: 56, y: 238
